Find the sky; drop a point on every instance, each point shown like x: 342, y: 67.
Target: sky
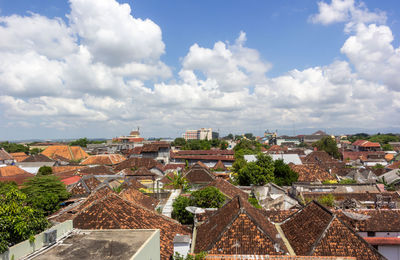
x: 89, y: 68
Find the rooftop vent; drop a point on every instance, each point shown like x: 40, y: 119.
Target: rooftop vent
x: 50, y: 237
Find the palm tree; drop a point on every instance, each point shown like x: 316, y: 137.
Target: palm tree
x: 178, y: 181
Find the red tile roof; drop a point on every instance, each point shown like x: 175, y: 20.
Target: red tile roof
x: 364, y: 143
x: 228, y: 189
x: 4, y: 155
x: 393, y: 166
x: 238, y: 228
x: 113, y: 212
x: 71, y: 180
x: 8, y: 171
x: 103, y: 159
x: 219, y: 166
x: 65, y: 151
x: 154, y: 147
x: 148, y: 163
x: 135, y: 196
x: 271, y: 257
x: 37, y: 158
x: 311, y: 173
x: 199, y: 175
x: 19, y: 156
x: 314, y: 230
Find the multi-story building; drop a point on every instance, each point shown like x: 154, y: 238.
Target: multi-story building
x: 201, y: 134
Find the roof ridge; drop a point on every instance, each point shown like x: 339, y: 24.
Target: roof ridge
x: 70, y: 152
x: 321, y: 236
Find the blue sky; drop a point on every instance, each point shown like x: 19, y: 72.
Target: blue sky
x: 299, y: 64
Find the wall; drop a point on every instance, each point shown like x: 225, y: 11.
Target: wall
x: 24, y: 248
x: 390, y: 252
x: 150, y: 250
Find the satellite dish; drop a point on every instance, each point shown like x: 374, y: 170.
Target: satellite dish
x: 195, y: 210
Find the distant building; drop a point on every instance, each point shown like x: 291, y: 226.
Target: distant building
x: 201, y: 134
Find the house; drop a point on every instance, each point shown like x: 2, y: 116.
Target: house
x: 271, y: 196
x: 136, y: 163
x: 228, y: 189
x: 15, y: 174
x: 18, y: 157
x: 363, y: 145
x: 208, y: 157
x: 199, y: 175
x: 33, y: 163
x: 113, y: 212
x: 103, y: 159
x: 5, y: 158
x: 316, y: 231
x: 310, y: 139
x: 159, y: 151
x: 391, y: 178
x: 311, y: 173
x: 71, y: 153
x: 362, y: 176
x: 287, y: 140
x: 135, y: 196
x: 238, y: 228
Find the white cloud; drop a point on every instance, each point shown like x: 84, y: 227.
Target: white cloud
x: 348, y: 11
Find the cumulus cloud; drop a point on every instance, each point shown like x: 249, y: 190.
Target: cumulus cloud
x: 103, y: 68
x: 348, y: 11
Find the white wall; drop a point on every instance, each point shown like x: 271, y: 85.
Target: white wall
x: 390, y: 252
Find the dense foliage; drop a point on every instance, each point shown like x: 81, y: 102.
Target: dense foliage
x: 199, y: 144
x: 18, y: 221
x: 327, y: 200
x: 379, y: 138
x: 45, y: 193
x: 14, y: 148
x: 177, y: 181
x: 83, y: 142
x: 44, y: 170
x: 328, y: 144
x: 262, y: 171
x: 209, y: 197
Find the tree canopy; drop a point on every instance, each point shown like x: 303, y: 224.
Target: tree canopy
x: 14, y: 148
x: 284, y: 175
x: 328, y: 144
x: 199, y: 144
x: 44, y: 170
x: 45, y: 193
x: 18, y: 221
x: 83, y: 142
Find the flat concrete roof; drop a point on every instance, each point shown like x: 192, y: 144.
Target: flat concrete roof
x: 97, y: 244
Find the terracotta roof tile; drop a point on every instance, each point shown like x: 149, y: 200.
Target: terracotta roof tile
x: 4, y: 155
x: 58, y: 169
x: 174, y: 166
x: 393, y: 166
x: 219, y: 166
x: 311, y: 173
x: 239, y: 228
x: 154, y: 147
x: 148, y: 163
x: 65, y: 151
x: 198, y: 174
x: 359, y: 196
x: 11, y: 170
x: 382, y: 220
x: 113, y: 212
x: 228, y: 189
x: 133, y: 195
x: 38, y: 158
x: 271, y: 257
x: 19, y: 156
x: 106, y: 159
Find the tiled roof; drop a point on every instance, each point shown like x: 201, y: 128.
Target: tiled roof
x: 58, y: 169
x: 38, y: 158
x: 273, y: 257
x: 113, y: 212
x: 277, y: 148
x: 107, y: 159
x: 278, y: 216
x: 71, y: 180
x: 148, y: 163
x: 198, y: 174
x: 359, y: 196
x: 19, y: 156
x: 314, y: 230
x: 85, y: 186
x: 364, y: 143
x: 174, y: 166
x: 238, y: 228
x: 311, y: 173
x: 165, y: 179
x: 395, y: 165
x: 382, y: 220
x: 223, y: 155
x: 96, y: 170
x: 143, y: 171
x: 4, y: 155
x: 14, y: 174
x: 65, y: 151
x: 11, y: 170
x: 154, y: 147
x: 204, y: 152
x: 353, y: 155
x: 131, y: 182
x: 319, y: 157
x: 135, y: 196
x: 219, y: 166
x: 228, y: 189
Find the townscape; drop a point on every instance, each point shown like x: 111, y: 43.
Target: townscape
x: 202, y: 196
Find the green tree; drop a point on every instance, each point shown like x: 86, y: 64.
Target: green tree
x: 18, y: 221
x: 224, y: 145
x: 80, y: 142
x: 250, y: 136
x: 45, y: 193
x: 178, y: 181
x: 45, y: 170
x: 209, y: 197
x: 387, y: 147
x: 179, y: 211
x: 347, y: 181
x: 284, y: 175
x: 327, y: 200
x: 328, y: 144
x: 14, y: 148
x: 259, y: 172
x: 179, y: 142
x: 35, y: 151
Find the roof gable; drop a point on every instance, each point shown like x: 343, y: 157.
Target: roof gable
x: 133, y: 195
x: 228, y: 189
x: 198, y: 174
x: 65, y: 151
x: 107, y: 159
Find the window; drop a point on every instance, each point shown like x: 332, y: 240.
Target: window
x: 370, y: 233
